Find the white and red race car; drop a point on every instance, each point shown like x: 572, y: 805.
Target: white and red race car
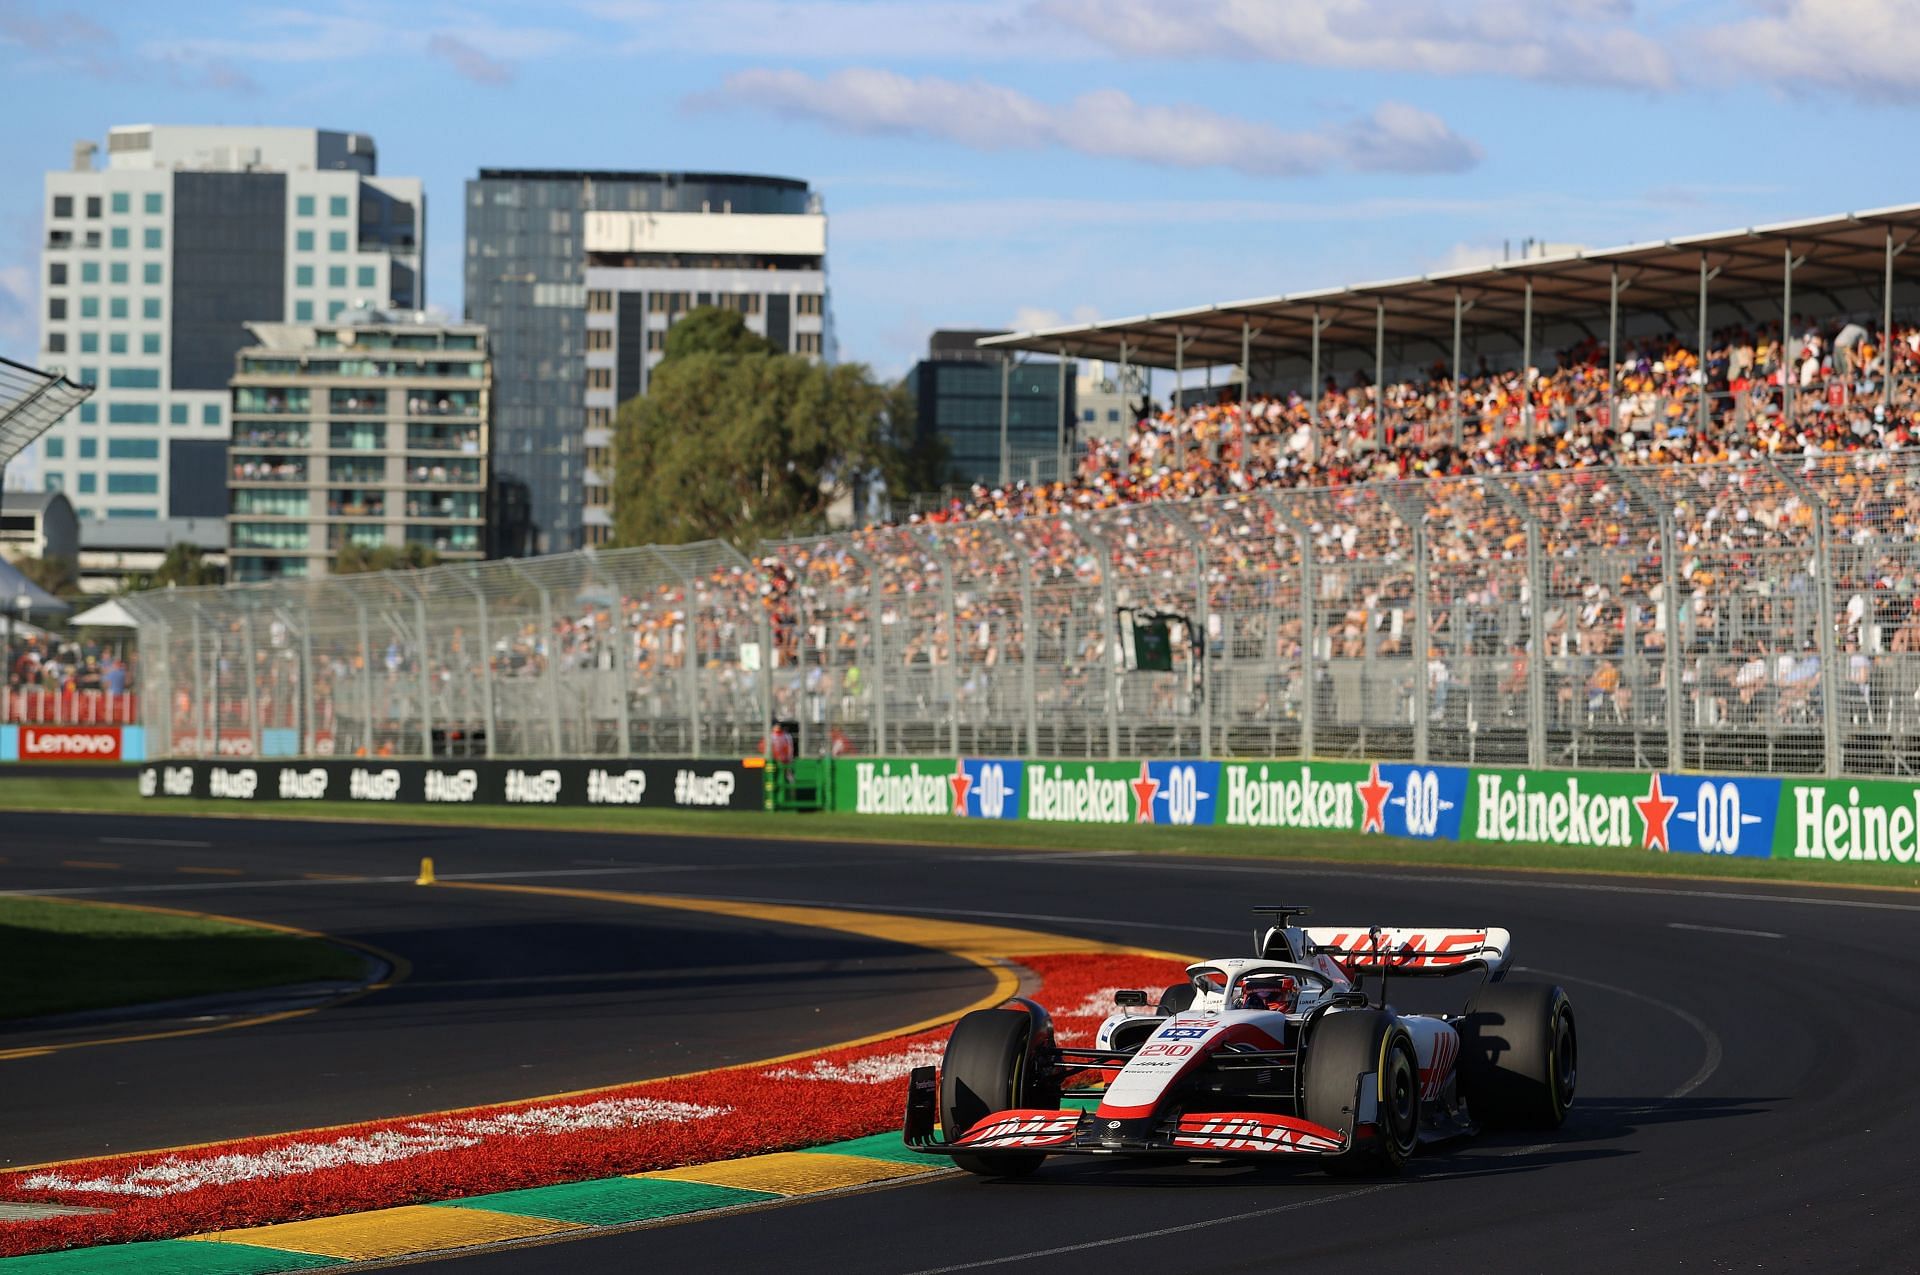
x: 1280, y: 1053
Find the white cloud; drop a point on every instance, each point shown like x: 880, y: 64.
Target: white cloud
x: 838, y: 30
x: 1027, y: 318
x: 1582, y: 41
x: 356, y: 33
x: 1106, y: 123
x: 1864, y: 48
x: 468, y: 61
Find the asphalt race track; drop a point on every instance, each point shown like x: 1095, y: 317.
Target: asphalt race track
x: 1747, y: 1080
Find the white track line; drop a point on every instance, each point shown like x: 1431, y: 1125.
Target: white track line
x: 1711, y: 1039
x: 1111, y: 1240
x: 1724, y: 929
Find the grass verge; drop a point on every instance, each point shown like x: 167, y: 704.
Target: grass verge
x: 60, y: 955
x: 108, y: 796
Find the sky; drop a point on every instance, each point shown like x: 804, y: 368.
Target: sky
x: 995, y: 163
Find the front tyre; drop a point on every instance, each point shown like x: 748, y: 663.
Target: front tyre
x: 1356, y: 1059
x: 1519, y: 1056
x: 987, y: 1068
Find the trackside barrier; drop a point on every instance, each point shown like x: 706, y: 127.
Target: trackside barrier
x: 701, y: 784
x: 1834, y: 820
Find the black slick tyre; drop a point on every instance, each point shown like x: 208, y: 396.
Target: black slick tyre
x: 1519, y: 1056
x: 986, y: 1069
x: 1341, y: 1049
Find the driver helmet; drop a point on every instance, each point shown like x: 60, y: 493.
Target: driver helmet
x: 1277, y: 994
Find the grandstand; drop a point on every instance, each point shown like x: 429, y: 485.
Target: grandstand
x: 1650, y: 554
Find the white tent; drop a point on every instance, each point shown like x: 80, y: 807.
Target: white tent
x: 108, y: 615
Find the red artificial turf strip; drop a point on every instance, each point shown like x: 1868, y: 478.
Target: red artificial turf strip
x: 767, y: 1114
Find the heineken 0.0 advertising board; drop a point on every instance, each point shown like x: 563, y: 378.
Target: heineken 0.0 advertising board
x: 1828, y: 820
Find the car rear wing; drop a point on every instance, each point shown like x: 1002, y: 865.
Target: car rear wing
x: 1412, y: 950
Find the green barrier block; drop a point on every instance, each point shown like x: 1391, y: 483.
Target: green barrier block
x: 612, y: 1201
x: 881, y: 1146
x: 165, y: 1257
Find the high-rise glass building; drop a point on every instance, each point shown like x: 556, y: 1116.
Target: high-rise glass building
x: 152, y: 266
x: 577, y: 275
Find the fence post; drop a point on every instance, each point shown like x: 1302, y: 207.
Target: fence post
x: 199, y: 688
x: 366, y: 681
x: 1422, y: 648
x: 249, y: 657
x: 486, y: 657
x: 953, y: 647
x: 1829, y: 671
x: 1537, y: 655
x: 1109, y: 644
x: 876, y: 677
x: 1029, y: 705
x: 1670, y: 626
x: 689, y: 657
x: 424, y: 654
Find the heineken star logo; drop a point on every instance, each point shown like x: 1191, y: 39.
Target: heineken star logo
x: 1374, y: 793
x: 960, y: 781
x: 1655, y: 809
x: 1143, y: 790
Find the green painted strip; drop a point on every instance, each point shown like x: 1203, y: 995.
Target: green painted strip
x: 164, y: 1257
x: 881, y: 1146
x: 1071, y: 1103
x: 611, y: 1201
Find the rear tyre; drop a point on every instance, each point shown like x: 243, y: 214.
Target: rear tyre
x: 987, y: 1069
x: 1519, y: 1056
x: 1342, y: 1048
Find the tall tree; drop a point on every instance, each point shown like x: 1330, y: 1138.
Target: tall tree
x: 58, y: 576
x: 746, y: 447
x: 184, y: 565
x: 353, y: 559
x: 708, y: 329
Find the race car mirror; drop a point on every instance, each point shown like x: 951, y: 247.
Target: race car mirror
x: 1129, y: 998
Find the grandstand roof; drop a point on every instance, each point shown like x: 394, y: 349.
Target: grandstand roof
x: 1828, y: 251
x: 30, y: 402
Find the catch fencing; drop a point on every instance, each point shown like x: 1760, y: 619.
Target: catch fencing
x: 1751, y: 617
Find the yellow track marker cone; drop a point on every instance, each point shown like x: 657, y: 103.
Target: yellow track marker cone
x: 426, y: 872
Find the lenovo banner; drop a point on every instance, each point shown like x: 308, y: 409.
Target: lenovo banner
x: 697, y: 784
x: 70, y: 743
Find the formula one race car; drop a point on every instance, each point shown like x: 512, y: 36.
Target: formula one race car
x: 1281, y: 1053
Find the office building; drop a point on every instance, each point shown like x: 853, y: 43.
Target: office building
x: 957, y: 393
x: 370, y: 431
x: 1107, y: 409
x: 153, y: 264
x: 38, y: 524
x: 577, y: 275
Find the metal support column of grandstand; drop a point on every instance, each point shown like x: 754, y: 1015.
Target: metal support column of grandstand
x: 1006, y: 380
x: 1459, y: 313
x: 1613, y: 344
x: 1706, y: 276
x: 1526, y: 364
x: 1063, y: 427
x: 1790, y: 363
x: 1382, y: 436
x: 1246, y: 361
x: 1888, y: 362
